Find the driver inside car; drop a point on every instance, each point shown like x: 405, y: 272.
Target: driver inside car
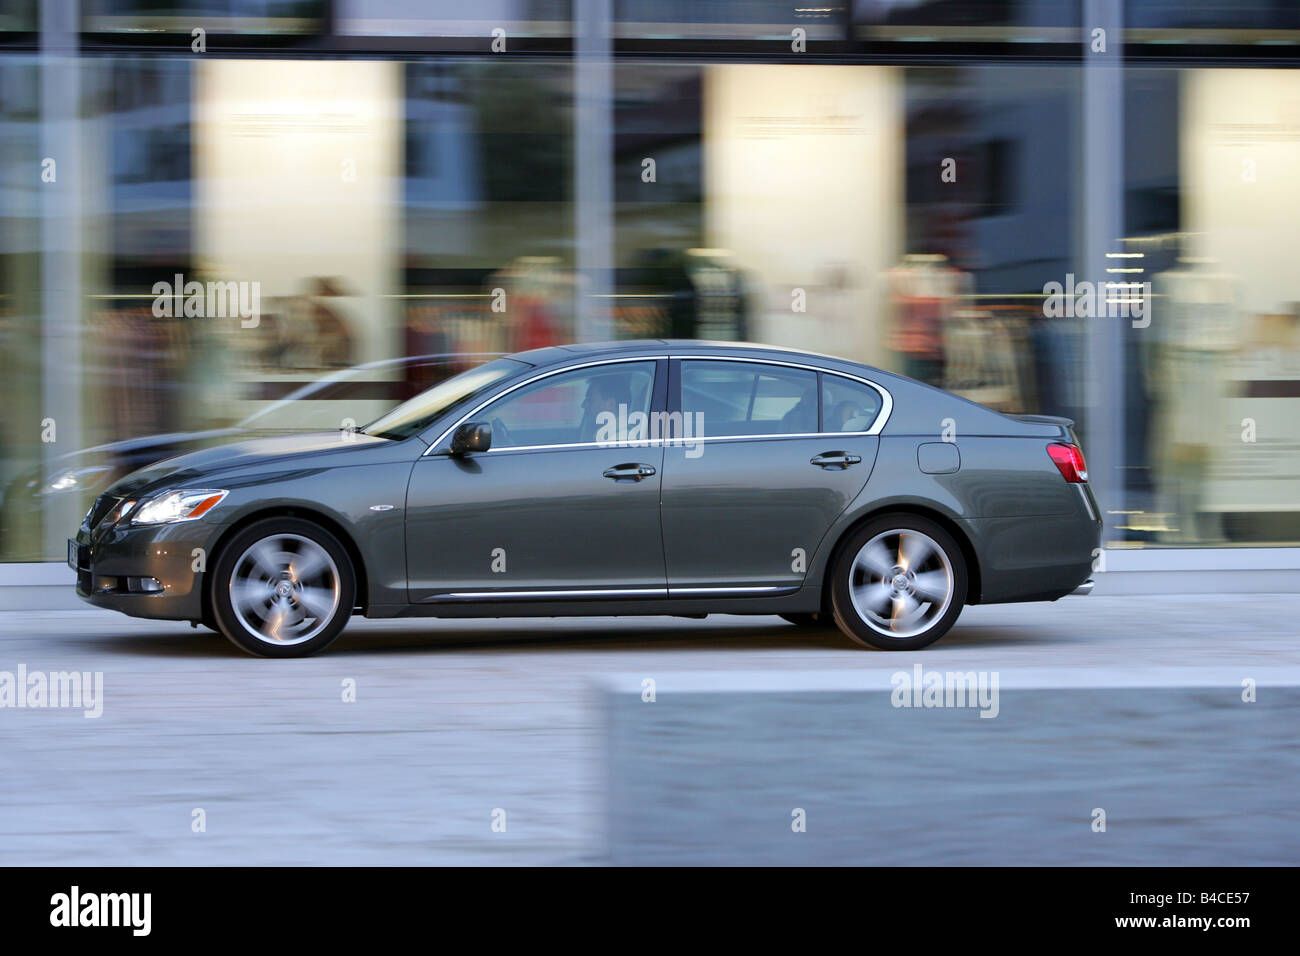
x: 604, y: 394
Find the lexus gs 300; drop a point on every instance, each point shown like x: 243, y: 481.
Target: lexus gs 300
x: 657, y: 477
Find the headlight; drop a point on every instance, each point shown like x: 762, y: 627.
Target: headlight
x: 118, y: 513
x: 75, y: 478
x: 183, y: 505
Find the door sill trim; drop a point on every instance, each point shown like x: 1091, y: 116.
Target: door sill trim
x: 545, y: 595
x: 766, y: 590
x: 568, y: 594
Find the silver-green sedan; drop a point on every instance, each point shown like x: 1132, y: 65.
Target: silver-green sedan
x: 651, y: 477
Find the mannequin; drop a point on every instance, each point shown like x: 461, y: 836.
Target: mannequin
x: 1194, y: 329
x: 924, y: 292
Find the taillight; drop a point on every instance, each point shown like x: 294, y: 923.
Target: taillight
x: 1069, y: 461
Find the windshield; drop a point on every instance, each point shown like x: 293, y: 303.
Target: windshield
x: 419, y: 413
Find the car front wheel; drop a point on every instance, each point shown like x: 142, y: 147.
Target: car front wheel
x: 899, y: 583
x: 283, y: 587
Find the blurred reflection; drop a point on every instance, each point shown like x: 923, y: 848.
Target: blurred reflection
x: 343, y: 400
x: 215, y: 16
x: 924, y: 295
x: 683, y: 294
x: 533, y: 306
x: 20, y: 275
x: 137, y: 362
x: 1194, y: 326
x: 328, y: 332
x: 906, y: 217
x: 994, y: 358
x: 1214, y: 439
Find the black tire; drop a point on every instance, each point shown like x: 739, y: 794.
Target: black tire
x: 813, y: 619
x: 943, y: 563
x: 238, y: 566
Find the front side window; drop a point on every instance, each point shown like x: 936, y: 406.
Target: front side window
x: 586, y: 405
x: 743, y: 398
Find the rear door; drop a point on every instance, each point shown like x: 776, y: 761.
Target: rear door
x: 771, y: 454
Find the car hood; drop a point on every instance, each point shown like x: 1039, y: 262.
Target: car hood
x: 210, y: 463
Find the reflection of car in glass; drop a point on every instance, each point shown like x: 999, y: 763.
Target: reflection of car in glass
x: 345, y: 398
x: 659, y: 477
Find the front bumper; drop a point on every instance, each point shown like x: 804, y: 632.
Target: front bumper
x: 113, y: 563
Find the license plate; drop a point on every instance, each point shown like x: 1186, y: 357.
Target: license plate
x: 72, y: 554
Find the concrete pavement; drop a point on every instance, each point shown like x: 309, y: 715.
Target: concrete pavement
x: 456, y: 721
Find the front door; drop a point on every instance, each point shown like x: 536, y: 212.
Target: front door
x: 565, y: 503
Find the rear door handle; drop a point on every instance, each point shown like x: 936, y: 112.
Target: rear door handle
x: 632, y: 471
x: 836, y: 460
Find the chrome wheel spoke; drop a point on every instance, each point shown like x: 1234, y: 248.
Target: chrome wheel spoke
x: 875, y: 595
x: 876, y: 559
x: 265, y: 558
x: 913, y: 550
x: 251, y: 595
x: 931, y: 585
x: 905, y: 608
x: 307, y: 566
x: 274, y: 621
x: 316, y: 601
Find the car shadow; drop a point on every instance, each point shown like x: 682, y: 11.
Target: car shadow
x: 516, y: 635
x: 602, y: 634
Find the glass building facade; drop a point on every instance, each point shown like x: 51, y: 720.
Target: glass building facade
x: 1086, y: 209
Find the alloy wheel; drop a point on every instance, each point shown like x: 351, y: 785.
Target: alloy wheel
x: 901, y: 582
x: 285, y: 589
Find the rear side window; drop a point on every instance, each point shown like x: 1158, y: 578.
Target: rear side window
x: 742, y: 398
x: 848, y: 406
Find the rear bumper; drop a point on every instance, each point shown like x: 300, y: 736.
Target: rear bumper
x: 1040, y: 558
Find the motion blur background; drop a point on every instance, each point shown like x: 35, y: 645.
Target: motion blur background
x: 378, y: 170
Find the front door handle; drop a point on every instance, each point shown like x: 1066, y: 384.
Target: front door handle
x: 836, y: 460
x: 632, y: 471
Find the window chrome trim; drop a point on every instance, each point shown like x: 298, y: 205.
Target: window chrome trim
x: 633, y: 445
x: 882, y: 417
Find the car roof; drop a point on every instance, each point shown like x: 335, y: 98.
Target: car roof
x: 561, y: 354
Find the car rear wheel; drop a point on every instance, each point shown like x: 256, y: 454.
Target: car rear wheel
x: 899, y: 583
x: 283, y: 587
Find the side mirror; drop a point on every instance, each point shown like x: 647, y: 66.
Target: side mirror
x: 471, y: 436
